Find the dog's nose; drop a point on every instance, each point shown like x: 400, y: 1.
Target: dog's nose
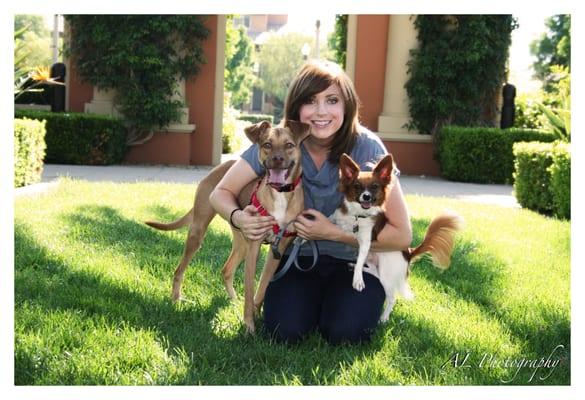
x: 278, y: 159
x: 366, y: 196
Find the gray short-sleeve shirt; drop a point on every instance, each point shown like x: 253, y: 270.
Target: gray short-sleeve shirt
x: 321, y: 185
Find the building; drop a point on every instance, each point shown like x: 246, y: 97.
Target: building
x: 257, y: 24
x: 377, y: 52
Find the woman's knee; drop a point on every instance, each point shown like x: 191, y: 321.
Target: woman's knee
x: 336, y: 333
x: 287, y: 332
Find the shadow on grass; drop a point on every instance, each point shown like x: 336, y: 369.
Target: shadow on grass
x: 481, y: 282
x: 51, y: 283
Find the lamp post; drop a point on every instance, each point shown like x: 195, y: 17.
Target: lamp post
x: 305, y: 50
x: 317, y: 26
x: 55, y: 44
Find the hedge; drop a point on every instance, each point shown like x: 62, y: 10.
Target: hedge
x: 560, y: 180
x: 531, y: 175
x: 29, y: 150
x: 80, y: 138
x: 481, y: 154
x: 255, y: 118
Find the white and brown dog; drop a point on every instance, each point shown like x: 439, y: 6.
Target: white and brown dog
x: 362, y: 214
x: 279, y: 193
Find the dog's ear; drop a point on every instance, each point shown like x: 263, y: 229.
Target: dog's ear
x: 300, y: 130
x: 253, y: 132
x: 384, y: 168
x: 348, y: 169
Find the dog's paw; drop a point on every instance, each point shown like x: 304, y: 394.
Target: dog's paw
x: 387, y: 311
x: 250, y: 328
x: 358, y: 283
x: 258, y: 309
x: 176, y: 296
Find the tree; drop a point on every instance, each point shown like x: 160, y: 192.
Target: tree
x: 32, y: 58
x: 338, y: 39
x: 20, y: 54
x: 280, y: 58
x: 139, y: 56
x: 457, y: 70
x: 39, y: 50
x: 239, y: 74
x: 34, y: 40
x: 552, y: 48
x: 33, y: 23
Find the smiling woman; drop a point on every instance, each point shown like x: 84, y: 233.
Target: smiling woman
x: 324, y: 113
x: 322, y: 96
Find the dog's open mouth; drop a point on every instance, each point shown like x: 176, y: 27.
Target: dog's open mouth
x: 366, y: 204
x: 277, y: 177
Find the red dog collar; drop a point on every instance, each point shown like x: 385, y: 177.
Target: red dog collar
x: 262, y: 211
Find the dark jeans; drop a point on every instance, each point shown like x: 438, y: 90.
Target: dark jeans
x: 322, y: 299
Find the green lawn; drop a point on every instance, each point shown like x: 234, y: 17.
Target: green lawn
x: 92, y: 302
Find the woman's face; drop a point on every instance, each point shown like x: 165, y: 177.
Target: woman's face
x: 324, y: 112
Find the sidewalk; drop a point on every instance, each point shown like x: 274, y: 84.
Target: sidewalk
x: 425, y: 186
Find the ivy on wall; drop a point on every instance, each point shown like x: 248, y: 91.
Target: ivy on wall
x: 338, y: 39
x: 140, y: 57
x: 458, y: 69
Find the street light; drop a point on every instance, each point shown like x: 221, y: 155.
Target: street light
x: 305, y: 50
x: 317, y: 26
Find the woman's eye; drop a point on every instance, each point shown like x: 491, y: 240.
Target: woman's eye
x: 333, y: 100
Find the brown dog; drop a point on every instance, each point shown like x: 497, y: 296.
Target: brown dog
x: 279, y: 193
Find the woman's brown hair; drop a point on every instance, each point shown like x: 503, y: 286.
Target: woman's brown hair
x: 314, y: 77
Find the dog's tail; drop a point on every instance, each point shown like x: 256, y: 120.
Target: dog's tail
x: 171, y: 226
x: 439, y: 240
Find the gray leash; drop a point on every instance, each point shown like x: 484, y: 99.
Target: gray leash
x: 293, y: 256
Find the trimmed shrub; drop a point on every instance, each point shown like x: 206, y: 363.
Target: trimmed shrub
x: 229, y: 138
x: 527, y: 113
x: 560, y: 180
x: 532, y: 176
x: 83, y: 139
x: 255, y: 118
x: 481, y: 154
x: 29, y: 150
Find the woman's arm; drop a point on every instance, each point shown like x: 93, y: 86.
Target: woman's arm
x: 224, y: 199
x: 397, y: 233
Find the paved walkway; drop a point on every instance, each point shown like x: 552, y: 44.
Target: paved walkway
x: 426, y: 186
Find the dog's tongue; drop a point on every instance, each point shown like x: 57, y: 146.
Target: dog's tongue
x: 366, y: 205
x: 277, y: 177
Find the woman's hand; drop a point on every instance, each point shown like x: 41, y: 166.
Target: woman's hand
x: 313, y: 225
x: 253, y: 226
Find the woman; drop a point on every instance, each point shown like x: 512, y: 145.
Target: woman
x: 322, y: 299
